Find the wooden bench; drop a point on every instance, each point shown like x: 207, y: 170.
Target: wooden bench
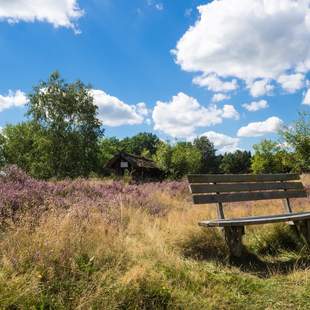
x: 219, y: 189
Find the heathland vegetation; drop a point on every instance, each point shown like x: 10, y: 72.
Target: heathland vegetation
x: 93, y: 244
x: 71, y: 239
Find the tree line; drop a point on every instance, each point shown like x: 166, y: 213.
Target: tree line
x: 63, y: 137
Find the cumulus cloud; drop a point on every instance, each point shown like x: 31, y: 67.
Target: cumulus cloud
x: 292, y: 82
x: 114, y: 112
x: 214, y: 83
x: 13, y: 99
x: 254, y: 40
x: 307, y: 98
x: 220, y: 97
x: 229, y: 111
x: 257, y: 129
x: 256, y: 105
x: 59, y: 13
x: 260, y: 88
x: 222, y: 143
x: 183, y: 114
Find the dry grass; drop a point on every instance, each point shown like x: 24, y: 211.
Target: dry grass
x: 73, y: 259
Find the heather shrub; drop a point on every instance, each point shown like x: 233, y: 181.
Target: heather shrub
x: 104, y: 244
x: 20, y: 192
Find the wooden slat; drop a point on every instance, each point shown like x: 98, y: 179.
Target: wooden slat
x: 257, y: 220
x: 243, y: 187
x: 226, y: 178
x: 235, y: 197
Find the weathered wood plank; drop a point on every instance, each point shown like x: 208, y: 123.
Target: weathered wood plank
x: 233, y: 237
x: 249, y: 196
x: 303, y: 228
x: 257, y: 220
x: 243, y: 187
x: 226, y: 178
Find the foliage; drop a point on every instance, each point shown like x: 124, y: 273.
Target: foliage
x: 269, y: 158
x: 178, y: 160
x: 64, y: 138
x: 237, y: 162
x: 185, y: 159
x: 27, y: 146
x: 66, y: 115
x: 209, y: 162
x: 2, y: 156
x: 163, y: 158
x: 108, y: 147
x: 298, y: 137
x: 143, y: 143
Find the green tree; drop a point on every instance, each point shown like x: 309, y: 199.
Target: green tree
x: 143, y: 142
x: 2, y: 157
x: 27, y: 145
x: 66, y: 113
x: 237, y: 162
x: 163, y: 158
x: 108, y: 148
x: 269, y: 158
x: 298, y: 138
x: 186, y: 159
x: 178, y: 160
x: 209, y: 162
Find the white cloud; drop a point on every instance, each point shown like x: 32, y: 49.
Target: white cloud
x: 307, y: 98
x: 59, y: 13
x: 13, y: 99
x: 114, y: 112
x: 142, y: 109
x: 159, y: 6
x: 229, y: 111
x: 220, y: 97
x: 251, y: 40
x: 257, y: 129
x: 222, y: 143
x: 183, y: 114
x: 214, y: 83
x: 260, y: 88
x: 256, y: 105
x: 292, y: 82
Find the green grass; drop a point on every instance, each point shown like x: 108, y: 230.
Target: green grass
x: 73, y: 261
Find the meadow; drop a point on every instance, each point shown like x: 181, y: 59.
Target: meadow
x: 104, y: 244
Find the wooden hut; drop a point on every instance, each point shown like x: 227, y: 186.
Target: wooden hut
x: 140, y: 168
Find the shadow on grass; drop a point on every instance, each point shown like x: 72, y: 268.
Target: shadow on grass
x: 265, y: 268
x: 276, y: 250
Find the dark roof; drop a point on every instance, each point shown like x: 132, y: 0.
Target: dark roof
x: 134, y: 160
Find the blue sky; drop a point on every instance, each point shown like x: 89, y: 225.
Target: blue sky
x: 237, y: 75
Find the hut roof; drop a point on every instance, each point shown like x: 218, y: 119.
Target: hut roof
x: 134, y: 160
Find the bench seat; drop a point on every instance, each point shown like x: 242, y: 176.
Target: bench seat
x: 256, y: 220
x: 226, y: 188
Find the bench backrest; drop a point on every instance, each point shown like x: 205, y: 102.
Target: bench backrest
x: 220, y: 188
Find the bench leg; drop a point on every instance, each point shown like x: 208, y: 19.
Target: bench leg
x: 303, y: 228
x: 233, y: 237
